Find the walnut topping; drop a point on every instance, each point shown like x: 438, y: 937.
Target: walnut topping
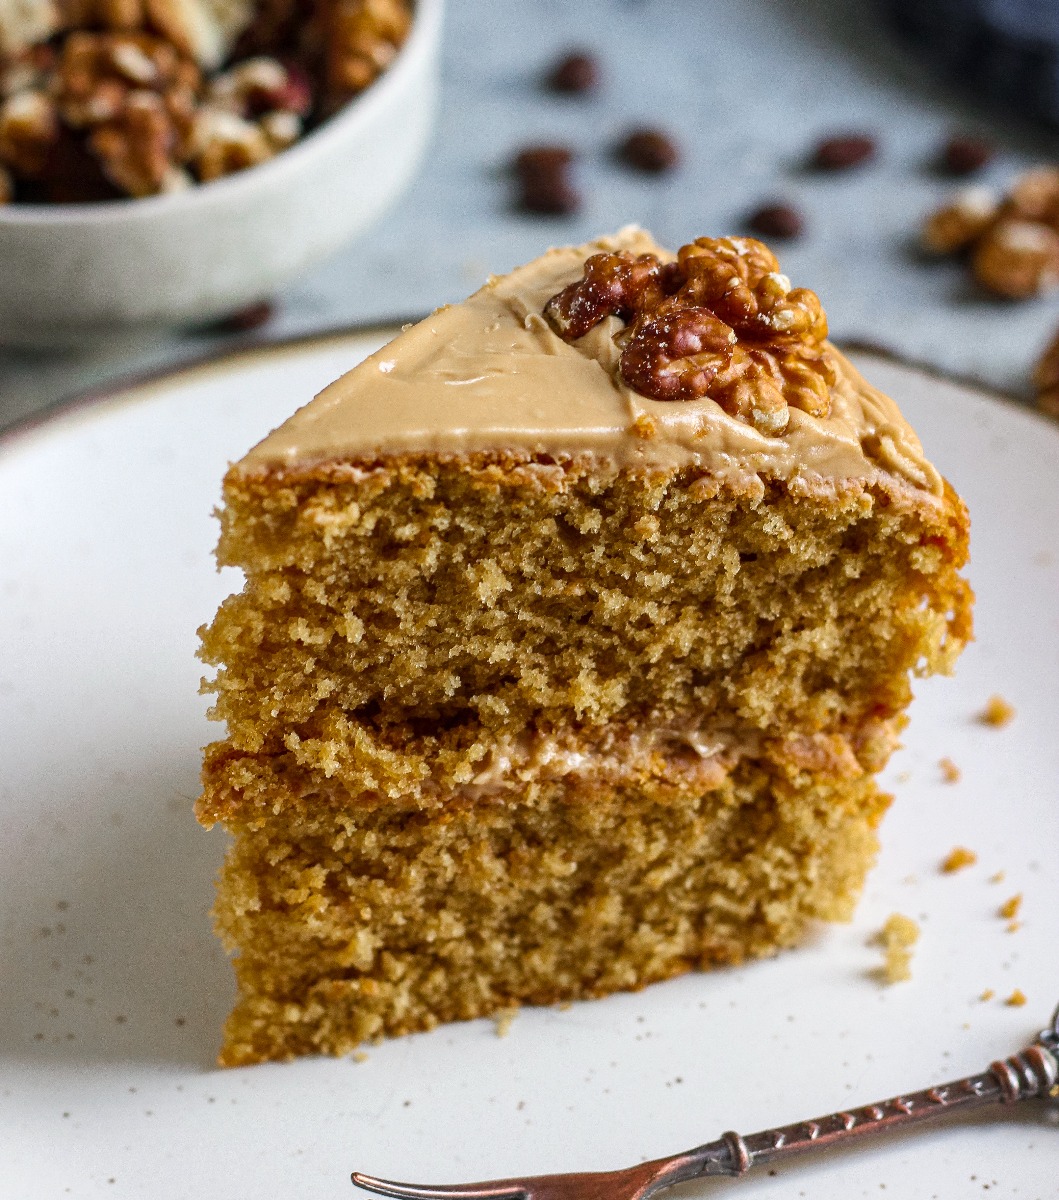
x: 721, y: 321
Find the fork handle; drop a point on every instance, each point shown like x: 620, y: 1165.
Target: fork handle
x: 1032, y: 1073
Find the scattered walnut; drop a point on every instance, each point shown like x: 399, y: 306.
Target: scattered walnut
x: 997, y: 712
x: 1017, y: 259
x: 1035, y: 195
x: 957, y: 225
x: 897, y: 937
x: 950, y: 772
x: 957, y: 859
x: 29, y: 131
x: 1009, y: 910
x: 720, y: 321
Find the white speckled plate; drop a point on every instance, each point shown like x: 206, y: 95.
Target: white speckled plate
x: 113, y: 990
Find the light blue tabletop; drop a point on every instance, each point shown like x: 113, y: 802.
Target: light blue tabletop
x: 746, y: 87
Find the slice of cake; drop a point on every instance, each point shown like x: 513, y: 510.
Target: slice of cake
x: 577, y: 622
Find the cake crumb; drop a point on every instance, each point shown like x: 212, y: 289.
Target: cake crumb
x: 1009, y: 910
x: 1017, y: 999
x: 360, y: 1056
x: 503, y: 1019
x: 1014, y: 926
x: 987, y: 995
x: 997, y: 712
x: 897, y: 937
x: 959, y: 857
x: 644, y: 428
x: 950, y: 772
x: 999, y: 877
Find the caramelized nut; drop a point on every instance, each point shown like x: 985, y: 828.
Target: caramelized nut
x: 721, y: 322
x: 1017, y: 259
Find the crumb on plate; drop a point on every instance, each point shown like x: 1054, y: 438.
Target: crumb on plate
x: 959, y: 857
x: 897, y: 937
x: 950, y: 772
x: 503, y: 1020
x: 997, y: 712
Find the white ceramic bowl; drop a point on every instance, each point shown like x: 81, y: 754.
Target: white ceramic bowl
x: 75, y: 273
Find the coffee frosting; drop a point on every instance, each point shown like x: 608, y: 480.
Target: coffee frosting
x: 491, y: 375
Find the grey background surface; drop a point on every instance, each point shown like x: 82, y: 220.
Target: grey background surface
x: 747, y: 87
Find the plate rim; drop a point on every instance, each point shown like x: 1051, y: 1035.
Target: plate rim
x: 231, y: 356
x: 225, y: 358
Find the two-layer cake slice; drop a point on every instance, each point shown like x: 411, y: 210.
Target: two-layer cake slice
x: 577, y: 622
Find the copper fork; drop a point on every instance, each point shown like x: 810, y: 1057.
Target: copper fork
x: 1033, y: 1073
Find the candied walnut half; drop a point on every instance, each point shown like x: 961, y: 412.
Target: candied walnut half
x: 721, y: 321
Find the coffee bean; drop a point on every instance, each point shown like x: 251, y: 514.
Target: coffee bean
x: 246, y: 319
x: 533, y: 159
x: 549, y: 193
x: 649, y: 150
x: 964, y: 155
x: 777, y: 221
x: 844, y: 151
x: 576, y: 73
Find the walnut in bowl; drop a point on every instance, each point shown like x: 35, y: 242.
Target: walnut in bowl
x: 196, y: 235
